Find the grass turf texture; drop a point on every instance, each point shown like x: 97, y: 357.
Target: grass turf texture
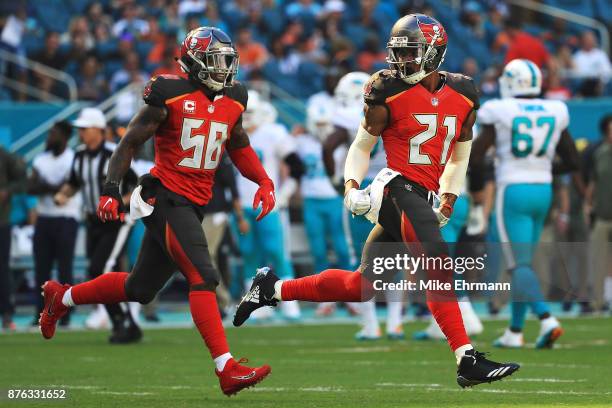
x: 312, y: 366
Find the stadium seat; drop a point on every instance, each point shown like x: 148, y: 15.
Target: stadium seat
x: 603, y: 10
x: 52, y: 15
x: 582, y: 7
x: 78, y: 6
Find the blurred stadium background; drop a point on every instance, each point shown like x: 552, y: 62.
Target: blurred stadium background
x: 58, y: 56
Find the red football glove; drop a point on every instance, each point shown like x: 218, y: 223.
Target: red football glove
x: 110, y: 206
x: 265, y: 196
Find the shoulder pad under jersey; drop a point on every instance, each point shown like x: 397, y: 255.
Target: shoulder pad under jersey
x: 382, y: 85
x: 238, y: 92
x: 164, y: 87
x: 464, y: 85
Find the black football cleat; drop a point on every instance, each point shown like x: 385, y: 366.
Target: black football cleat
x: 126, y: 335
x: 475, y: 369
x: 259, y: 295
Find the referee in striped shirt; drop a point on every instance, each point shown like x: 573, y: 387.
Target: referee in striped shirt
x: 105, y: 240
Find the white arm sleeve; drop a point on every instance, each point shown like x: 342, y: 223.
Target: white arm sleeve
x: 358, y: 156
x: 453, y: 176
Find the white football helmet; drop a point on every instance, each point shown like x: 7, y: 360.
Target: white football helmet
x: 319, y: 120
x: 349, y: 91
x: 258, y: 112
x: 520, y: 77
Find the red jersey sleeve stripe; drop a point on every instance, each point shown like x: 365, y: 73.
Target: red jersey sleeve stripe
x: 176, y: 98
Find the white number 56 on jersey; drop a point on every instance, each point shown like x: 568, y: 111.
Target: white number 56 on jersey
x: 204, y: 147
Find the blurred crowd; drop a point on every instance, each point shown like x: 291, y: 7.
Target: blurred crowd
x: 106, y: 45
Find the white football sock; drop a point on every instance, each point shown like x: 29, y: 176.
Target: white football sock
x: 460, y: 351
x: 394, y: 309
x: 67, y: 299
x: 277, y: 289
x: 221, y: 360
x: 368, y: 318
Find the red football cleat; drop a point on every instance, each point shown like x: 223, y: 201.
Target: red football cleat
x: 54, y: 310
x: 236, y: 377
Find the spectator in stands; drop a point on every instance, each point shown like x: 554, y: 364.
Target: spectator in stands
x: 472, y: 17
x: 331, y: 19
x: 555, y: 89
x: 211, y: 17
x: 564, y: 61
x: 129, y: 73
x: 558, y: 35
x: 12, y: 178
x: 96, y: 16
x: 131, y: 23
x: 489, y: 86
x: 78, y: 32
x: 169, y: 19
x: 235, y: 12
x: 591, y: 61
x: 470, y: 68
x: 342, y: 54
x: 56, y: 227
x: 50, y: 54
x: 523, y: 45
x: 168, y: 64
x: 306, y: 11
x: 372, y: 57
x: 92, y: 85
x: 164, y: 45
x: 599, y: 198
x: 253, y: 55
x: 187, y: 7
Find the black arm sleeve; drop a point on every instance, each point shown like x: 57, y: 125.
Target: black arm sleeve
x: 566, y: 149
x: 296, y: 166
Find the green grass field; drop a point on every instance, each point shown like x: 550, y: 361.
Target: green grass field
x: 312, y: 366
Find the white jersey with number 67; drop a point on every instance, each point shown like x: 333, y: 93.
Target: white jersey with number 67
x: 527, y: 132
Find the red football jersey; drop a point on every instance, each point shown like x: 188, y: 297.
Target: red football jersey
x: 423, y: 126
x: 190, y: 142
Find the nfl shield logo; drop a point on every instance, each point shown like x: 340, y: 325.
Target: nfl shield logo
x: 434, y: 101
x: 211, y: 108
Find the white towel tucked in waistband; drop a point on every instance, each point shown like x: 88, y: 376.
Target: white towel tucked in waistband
x: 138, y: 207
x: 377, y: 189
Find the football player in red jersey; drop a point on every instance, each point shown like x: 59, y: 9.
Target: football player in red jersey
x: 425, y: 118
x: 193, y: 120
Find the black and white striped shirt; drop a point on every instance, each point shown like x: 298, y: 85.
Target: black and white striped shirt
x: 88, y: 174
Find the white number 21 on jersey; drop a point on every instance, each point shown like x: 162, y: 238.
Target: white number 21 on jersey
x: 431, y: 121
x: 204, y: 147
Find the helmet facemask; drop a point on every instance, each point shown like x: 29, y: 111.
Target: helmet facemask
x: 214, y: 68
x: 414, y: 60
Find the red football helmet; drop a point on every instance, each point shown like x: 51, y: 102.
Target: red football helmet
x: 417, y: 46
x: 208, y: 56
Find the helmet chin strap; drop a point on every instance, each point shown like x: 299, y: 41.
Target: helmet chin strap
x: 420, y: 74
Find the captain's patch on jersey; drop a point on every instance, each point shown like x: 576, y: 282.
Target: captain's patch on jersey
x: 189, y: 106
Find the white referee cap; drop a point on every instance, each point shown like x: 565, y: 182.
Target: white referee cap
x: 90, y: 118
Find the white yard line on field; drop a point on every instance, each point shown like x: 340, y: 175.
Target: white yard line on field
x: 548, y: 380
